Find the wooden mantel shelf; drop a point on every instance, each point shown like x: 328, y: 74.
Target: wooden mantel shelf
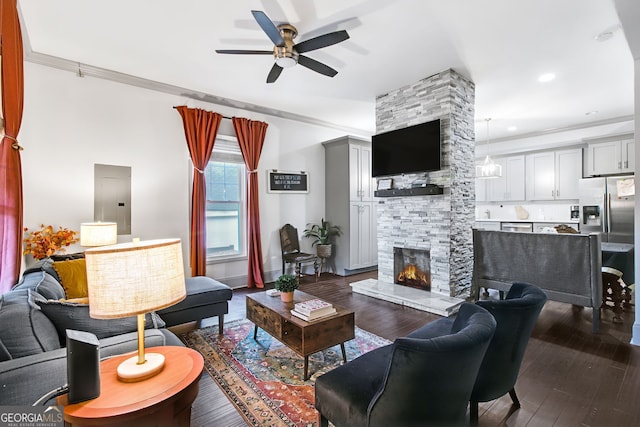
x: 429, y: 190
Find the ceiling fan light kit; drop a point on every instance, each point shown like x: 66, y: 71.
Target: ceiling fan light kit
x: 285, y: 52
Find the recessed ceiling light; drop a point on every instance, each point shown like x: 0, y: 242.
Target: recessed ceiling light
x: 512, y: 128
x: 591, y: 113
x: 607, y: 34
x: 546, y: 77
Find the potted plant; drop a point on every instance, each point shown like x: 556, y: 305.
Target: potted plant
x: 286, y: 284
x: 321, y: 235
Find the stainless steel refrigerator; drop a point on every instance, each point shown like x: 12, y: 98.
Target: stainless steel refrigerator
x: 606, y: 206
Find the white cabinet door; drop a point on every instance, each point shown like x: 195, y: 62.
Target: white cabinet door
x: 360, y: 181
x: 497, y: 187
x: 568, y: 172
x: 354, y: 172
x: 363, y: 250
x: 541, y: 176
x: 511, y: 185
x: 604, y: 158
x: 515, y: 182
x: 366, y: 181
x: 627, y: 149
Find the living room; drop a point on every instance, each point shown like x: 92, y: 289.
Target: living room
x: 73, y: 120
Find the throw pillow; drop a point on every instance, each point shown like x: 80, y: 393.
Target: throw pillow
x: 69, y: 315
x: 43, y: 283
x: 73, y: 276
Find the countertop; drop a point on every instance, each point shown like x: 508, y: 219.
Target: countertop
x: 548, y: 221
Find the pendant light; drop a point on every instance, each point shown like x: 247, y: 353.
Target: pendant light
x: 488, y: 168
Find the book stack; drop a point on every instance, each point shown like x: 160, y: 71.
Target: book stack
x: 313, y: 309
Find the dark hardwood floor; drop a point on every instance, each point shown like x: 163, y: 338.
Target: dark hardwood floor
x: 569, y: 376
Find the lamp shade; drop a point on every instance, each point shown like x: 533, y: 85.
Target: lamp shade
x: 98, y: 233
x: 134, y: 278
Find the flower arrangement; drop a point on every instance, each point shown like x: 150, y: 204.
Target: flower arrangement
x: 45, y: 242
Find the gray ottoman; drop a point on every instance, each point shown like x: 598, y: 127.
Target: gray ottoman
x: 206, y: 297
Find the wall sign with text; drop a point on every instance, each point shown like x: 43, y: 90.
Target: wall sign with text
x: 287, y: 182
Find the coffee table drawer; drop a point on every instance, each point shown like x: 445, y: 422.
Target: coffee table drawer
x: 267, y: 319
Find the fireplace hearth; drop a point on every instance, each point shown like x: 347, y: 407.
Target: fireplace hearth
x: 412, y: 268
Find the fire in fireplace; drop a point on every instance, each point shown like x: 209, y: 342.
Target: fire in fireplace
x: 411, y: 267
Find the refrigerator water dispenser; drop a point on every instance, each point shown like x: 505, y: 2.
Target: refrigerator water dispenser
x: 591, y: 215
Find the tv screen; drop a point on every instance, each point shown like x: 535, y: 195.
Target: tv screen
x: 412, y: 149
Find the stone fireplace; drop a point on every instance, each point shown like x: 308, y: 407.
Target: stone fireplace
x: 440, y: 224
x: 412, y: 268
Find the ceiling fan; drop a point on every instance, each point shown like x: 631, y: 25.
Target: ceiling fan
x: 286, y: 52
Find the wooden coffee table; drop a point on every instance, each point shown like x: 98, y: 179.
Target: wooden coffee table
x: 304, y: 338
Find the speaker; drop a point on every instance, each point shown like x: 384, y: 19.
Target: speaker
x: 83, y: 366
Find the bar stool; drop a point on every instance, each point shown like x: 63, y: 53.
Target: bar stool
x: 614, y: 291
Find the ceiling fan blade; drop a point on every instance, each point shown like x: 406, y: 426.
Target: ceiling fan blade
x: 245, y: 52
x: 268, y: 27
x: 322, y: 41
x: 316, y: 66
x: 274, y: 73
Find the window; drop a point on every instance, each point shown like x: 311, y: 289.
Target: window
x: 226, y: 207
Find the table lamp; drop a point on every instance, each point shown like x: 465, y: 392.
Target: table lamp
x: 98, y: 233
x: 133, y: 279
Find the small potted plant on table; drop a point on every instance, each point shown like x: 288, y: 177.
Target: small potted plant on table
x: 286, y: 284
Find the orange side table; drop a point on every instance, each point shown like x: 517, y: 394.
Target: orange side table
x: 163, y: 400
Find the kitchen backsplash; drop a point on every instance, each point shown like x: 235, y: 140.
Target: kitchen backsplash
x: 505, y: 212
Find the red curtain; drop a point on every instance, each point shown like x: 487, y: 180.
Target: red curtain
x: 10, y: 164
x: 200, y: 130
x: 251, y: 139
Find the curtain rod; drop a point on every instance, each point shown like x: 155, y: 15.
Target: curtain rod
x: 224, y: 117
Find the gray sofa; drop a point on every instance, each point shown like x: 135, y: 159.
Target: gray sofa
x: 33, y: 323
x: 567, y: 267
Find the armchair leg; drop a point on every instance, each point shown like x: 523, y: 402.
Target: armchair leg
x: 220, y: 324
x: 473, y: 414
x: 322, y: 421
x: 514, y: 397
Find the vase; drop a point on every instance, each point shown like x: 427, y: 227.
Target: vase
x: 323, y: 251
x: 286, y: 296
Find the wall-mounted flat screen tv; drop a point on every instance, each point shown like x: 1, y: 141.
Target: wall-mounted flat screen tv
x: 413, y: 149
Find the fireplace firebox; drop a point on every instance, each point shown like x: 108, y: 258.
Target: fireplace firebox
x: 412, y: 268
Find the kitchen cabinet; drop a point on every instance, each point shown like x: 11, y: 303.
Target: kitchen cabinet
x: 511, y: 185
x: 553, y: 175
x: 610, y: 157
x: 349, y: 204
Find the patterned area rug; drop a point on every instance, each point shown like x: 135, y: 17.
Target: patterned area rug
x: 262, y: 377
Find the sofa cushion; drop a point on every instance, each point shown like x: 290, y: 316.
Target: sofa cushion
x: 68, y: 315
x: 42, y: 283
x: 201, y: 291
x: 73, y: 277
x: 25, y: 329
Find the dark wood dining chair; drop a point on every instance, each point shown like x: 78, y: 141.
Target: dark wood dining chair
x: 291, y: 254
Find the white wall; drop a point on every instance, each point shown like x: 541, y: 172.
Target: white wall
x: 71, y: 123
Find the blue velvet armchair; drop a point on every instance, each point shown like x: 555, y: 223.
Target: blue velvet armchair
x: 516, y: 317
x: 422, y: 379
